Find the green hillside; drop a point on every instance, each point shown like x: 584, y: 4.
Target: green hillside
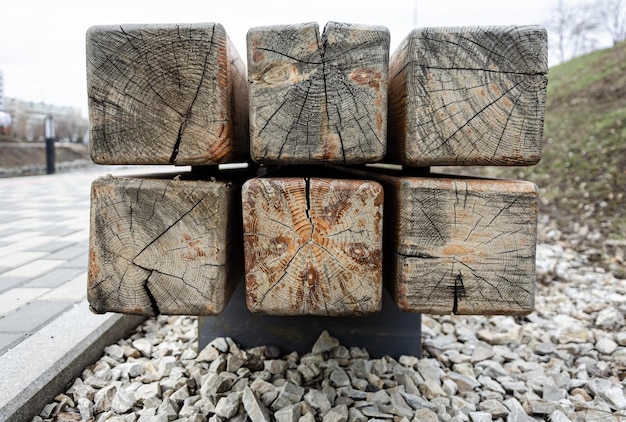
x: 584, y: 163
x: 582, y: 174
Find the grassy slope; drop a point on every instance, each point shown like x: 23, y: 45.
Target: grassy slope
x: 582, y: 174
x: 584, y: 162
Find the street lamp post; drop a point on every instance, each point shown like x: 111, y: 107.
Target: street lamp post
x: 49, y: 134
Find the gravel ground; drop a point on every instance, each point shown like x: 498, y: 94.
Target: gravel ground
x: 565, y: 361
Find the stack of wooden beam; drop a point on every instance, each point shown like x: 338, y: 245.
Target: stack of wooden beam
x: 313, y: 225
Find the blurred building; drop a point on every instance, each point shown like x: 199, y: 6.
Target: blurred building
x: 28, y: 117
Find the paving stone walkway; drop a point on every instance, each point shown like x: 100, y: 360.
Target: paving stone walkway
x: 44, y: 230
x: 44, y: 242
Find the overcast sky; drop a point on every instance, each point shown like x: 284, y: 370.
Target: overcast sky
x: 42, y: 42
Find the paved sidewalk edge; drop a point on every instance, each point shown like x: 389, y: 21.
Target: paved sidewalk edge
x: 42, y: 366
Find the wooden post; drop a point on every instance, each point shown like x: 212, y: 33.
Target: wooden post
x: 318, y: 100
x: 468, y: 96
x: 166, y: 94
x: 163, y: 245
x: 459, y: 245
x: 313, y: 246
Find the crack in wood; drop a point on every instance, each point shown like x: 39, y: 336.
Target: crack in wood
x: 477, y: 69
x: 157, y: 246
x: 292, y: 57
x: 173, y: 224
x: 459, y: 292
x: 329, y: 258
x: 153, y: 302
x: 149, y: 65
x: 468, y: 96
x: 165, y: 94
x: 312, y: 97
x: 188, y: 113
x: 307, y: 211
x: 177, y: 143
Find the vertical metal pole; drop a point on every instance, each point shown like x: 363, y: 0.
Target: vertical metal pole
x: 49, y: 134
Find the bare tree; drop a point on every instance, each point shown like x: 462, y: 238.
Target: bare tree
x: 573, y: 29
x: 610, y: 15
x: 557, y: 25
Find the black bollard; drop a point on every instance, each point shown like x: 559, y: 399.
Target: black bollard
x: 49, y: 134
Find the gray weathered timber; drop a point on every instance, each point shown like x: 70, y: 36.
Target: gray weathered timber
x: 462, y: 246
x: 318, y: 99
x: 468, y: 96
x: 163, y: 245
x: 166, y: 94
x: 312, y: 246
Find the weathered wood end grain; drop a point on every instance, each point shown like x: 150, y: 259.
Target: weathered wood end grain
x: 318, y: 98
x: 462, y: 246
x: 163, y: 246
x: 313, y: 246
x: 166, y: 94
x: 468, y: 96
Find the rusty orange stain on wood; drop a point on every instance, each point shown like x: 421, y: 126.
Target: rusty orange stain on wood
x: 363, y: 76
x: 193, y: 254
x: 331, y: 146
x: 249, y: 243
x: 453, y: 250
x: 334, y: 212
x: 310, y: 275
x: 400, y: 298
x: 303, y: 251
x: 378, y: 201
x: 377, y: 223
x: 257, y: 55
x: 280, y: 243
x: 251, y: 289
x: 94, y: 269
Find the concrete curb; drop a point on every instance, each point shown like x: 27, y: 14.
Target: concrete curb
x: 42, y: 366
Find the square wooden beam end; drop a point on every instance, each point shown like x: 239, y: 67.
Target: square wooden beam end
x: 313, y: 246
x: 318, y: 98
x: 462, y: 246
x: 163, y: 246
x: 468, y: 96
x: 166, y: 94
